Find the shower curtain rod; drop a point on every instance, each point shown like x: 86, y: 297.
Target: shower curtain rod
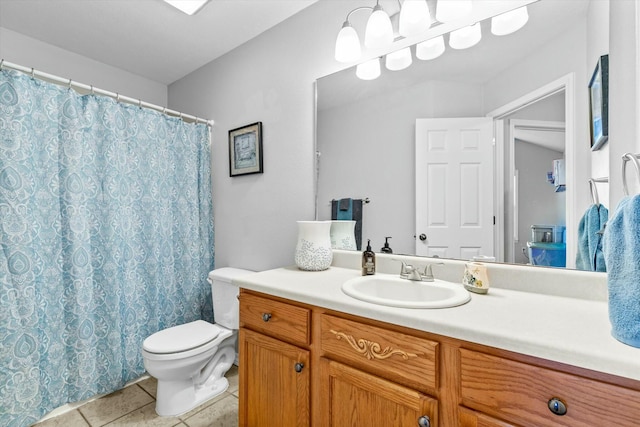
x: 93, y: 90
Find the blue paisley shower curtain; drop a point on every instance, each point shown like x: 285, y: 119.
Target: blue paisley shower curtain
x: 106, y: 236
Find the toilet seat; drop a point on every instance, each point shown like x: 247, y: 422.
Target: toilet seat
x: 184, y: 340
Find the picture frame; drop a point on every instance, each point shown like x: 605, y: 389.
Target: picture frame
x: 599, y: 104
x: 245, y: 150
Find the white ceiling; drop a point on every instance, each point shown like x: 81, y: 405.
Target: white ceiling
x: 146, y: 37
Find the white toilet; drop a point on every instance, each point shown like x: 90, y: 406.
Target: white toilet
x: 190, y: 361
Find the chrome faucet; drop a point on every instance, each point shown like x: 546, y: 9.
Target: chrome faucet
x: 410, y: 272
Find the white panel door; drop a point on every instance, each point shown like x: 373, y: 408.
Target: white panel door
x: 454, y: 187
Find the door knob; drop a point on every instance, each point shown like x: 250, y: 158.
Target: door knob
x: 423, y: 237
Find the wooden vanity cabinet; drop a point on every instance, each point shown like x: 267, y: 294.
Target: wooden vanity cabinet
x: 302, y: 365
x: 371, y: 375
x: 274, y: 358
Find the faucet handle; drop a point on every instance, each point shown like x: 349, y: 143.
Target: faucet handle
x: 405, y: 269
x: 427, y: 276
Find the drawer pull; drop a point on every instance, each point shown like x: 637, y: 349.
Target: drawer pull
x: 266, y: 316
x: 424, y: 421
x: 557, y: 406
x: 371, y: 349
x: 298, y: 367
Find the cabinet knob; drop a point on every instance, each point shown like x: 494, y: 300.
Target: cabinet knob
x: 424, y: 421
x: 557, y: 406
x: 298, y: 367
x: 266, y: 316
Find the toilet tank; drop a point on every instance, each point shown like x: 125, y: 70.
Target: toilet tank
x: 225, y: 296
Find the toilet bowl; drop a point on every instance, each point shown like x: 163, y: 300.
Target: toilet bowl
x: 190, y: 360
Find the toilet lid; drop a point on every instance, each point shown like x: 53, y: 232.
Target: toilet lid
x: 181, y: 338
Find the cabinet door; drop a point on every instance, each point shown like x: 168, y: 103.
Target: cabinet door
x: 350, y: 397
x: 274, y: 382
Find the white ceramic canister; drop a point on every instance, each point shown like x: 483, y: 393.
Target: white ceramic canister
x: 475, y: 277
x: 313, y: 250
x: 343, y: 235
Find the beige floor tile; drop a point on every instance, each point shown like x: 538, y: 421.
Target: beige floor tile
x: 115, y: 405
x: 223, y: 413
x: 150, y: 385
x: 145, y: 416
x: 69, y: 419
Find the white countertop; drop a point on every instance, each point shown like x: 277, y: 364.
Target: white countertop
x: 569, y: 330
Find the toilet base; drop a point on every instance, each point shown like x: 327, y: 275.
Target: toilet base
x: 178, y: 397
x: 175, y: 397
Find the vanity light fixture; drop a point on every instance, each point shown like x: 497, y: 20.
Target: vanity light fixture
x: 414, y: 18
x: 430, y: 49
x: 348, y: 43
x: 189, y: 7
x: 509, y: 22
x: 369, y: 70
x: 378, y: 32
x: 398, y: 60
x: 465, y: 37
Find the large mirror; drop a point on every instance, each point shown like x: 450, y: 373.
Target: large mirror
x: 366, y: 136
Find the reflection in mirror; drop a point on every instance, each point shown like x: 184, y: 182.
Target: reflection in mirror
x: 366, y: 133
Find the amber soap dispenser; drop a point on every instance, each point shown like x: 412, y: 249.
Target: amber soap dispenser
x: 368, y: 261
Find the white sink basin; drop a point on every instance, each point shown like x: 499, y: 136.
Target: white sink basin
x: 394, y: 291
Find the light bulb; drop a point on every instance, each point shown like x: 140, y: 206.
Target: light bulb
x: 414, y: 18
x: 465, y: 37
x: 369, y: 70
x: 450, y: 10
x: 378, y: 33
x: 430, y: 49
x: 509, y: 22
x: 399, y: 60
x: 348, y: 44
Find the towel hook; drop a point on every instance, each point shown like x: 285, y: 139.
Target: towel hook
x: 593, y: 188
x: 626, y: 158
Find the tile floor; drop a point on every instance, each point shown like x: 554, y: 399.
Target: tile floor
x: 135, y: 406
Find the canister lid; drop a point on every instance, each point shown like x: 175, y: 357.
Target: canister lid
x: 181, y: 338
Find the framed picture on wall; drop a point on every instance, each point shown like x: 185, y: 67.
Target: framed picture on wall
x: 245, y: 150
x: 599, y: 104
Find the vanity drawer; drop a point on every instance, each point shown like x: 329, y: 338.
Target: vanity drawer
x: 275, y: 318
x: 406, y: 359
x: 520, y: 393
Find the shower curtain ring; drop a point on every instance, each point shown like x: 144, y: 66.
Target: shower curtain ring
x: 92, y: 92
x: 139, y: 103
x: 1, y: 62
x: 164, y: 110
x: 70, y: 83
x: 33, y: 73
x: 117, y: 97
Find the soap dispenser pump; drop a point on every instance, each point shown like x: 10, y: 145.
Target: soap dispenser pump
x: 368, y: 261
x: 386, y: 249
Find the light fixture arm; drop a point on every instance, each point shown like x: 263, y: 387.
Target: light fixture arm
x: 357, y: 9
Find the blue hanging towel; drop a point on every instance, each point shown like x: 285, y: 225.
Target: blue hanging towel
x: 590, y: 256
x: 621, y: 244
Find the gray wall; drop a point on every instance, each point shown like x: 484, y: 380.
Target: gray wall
x: 268, y: 79
x: 29, y: 52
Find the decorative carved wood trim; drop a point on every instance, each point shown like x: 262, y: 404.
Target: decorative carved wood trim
x: 371, y: 349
